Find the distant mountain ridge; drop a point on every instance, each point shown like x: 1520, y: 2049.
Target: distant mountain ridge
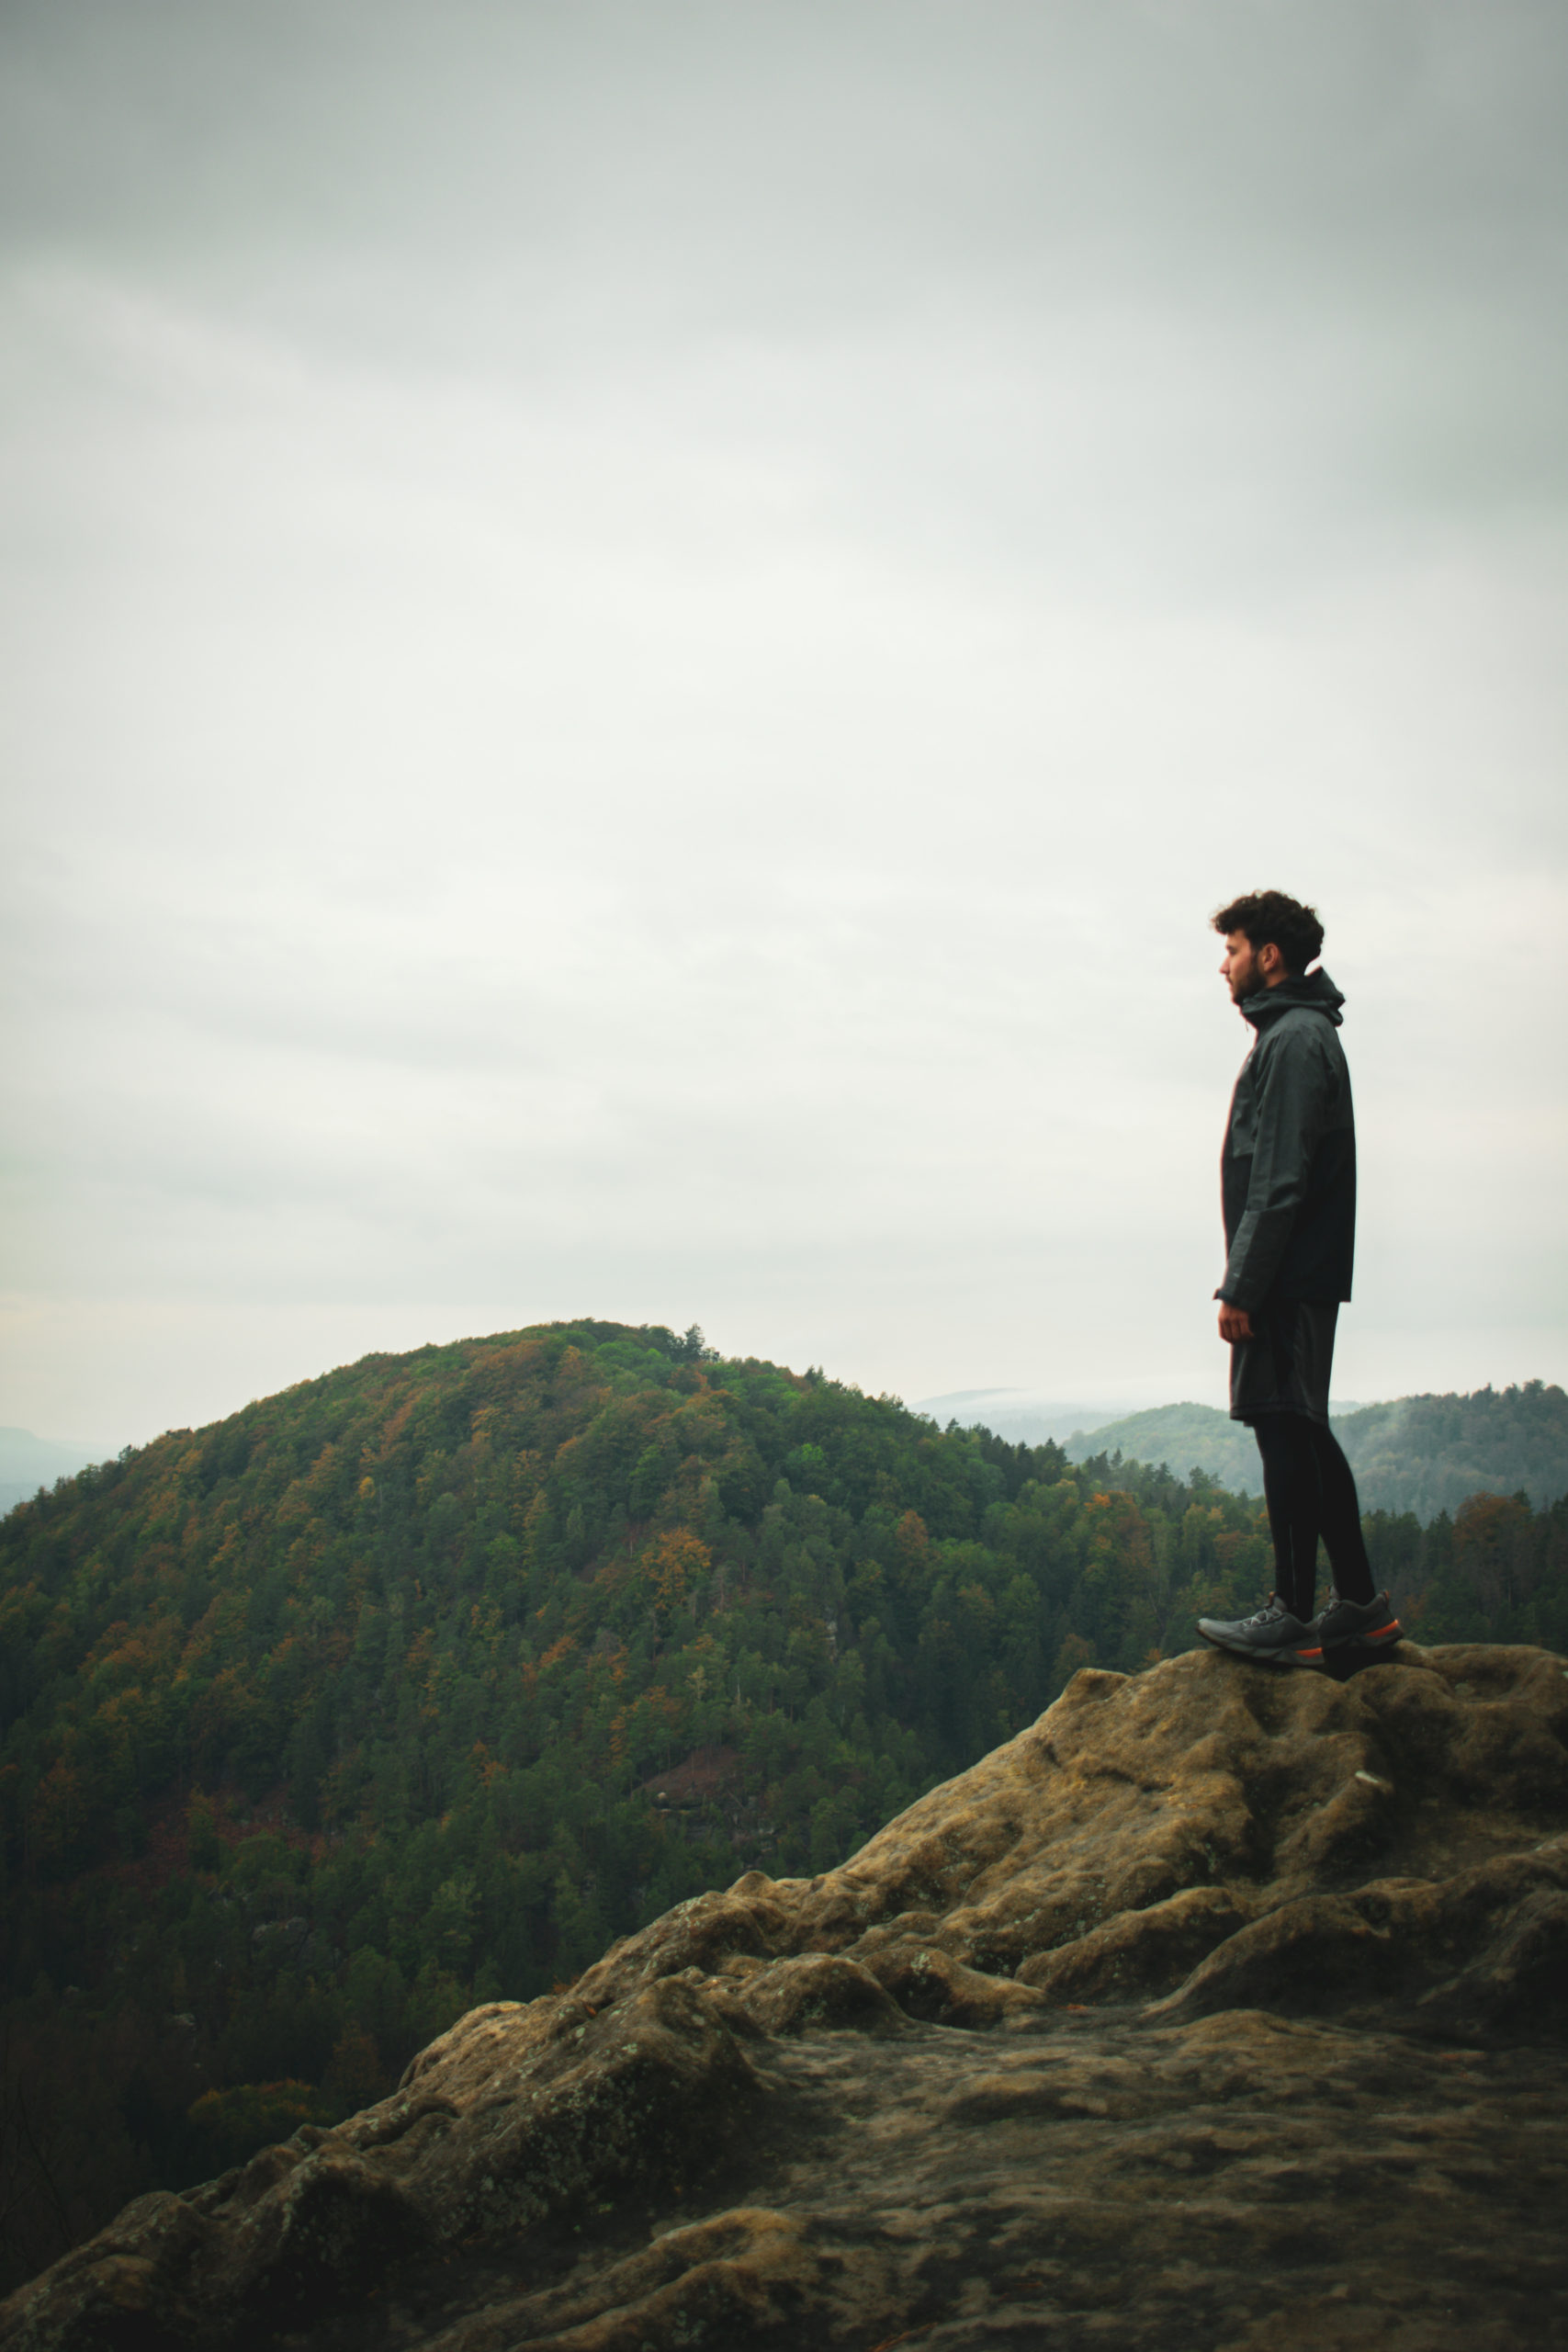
x: 1426, y: 1454
x: 28, y: 1462
x: 1415, y: 1454
x: 1024, y: 1416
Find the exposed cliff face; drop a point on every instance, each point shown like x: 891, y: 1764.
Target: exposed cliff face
x: 1219, y: 2006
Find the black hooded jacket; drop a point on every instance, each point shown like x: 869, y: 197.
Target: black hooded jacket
x: 1288, y: 1170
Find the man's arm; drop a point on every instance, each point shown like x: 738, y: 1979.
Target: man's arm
x: 1236, y: 1323
x: 1292, y: 1102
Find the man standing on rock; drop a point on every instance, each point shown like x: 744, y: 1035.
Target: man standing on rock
x: 1288, y: 1185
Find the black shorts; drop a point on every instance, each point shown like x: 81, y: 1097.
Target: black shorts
x: 1284, y: 1367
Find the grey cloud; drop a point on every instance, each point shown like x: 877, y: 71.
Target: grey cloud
x: 641, y: 635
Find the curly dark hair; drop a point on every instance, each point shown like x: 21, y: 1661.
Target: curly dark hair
x: 1264, y: 915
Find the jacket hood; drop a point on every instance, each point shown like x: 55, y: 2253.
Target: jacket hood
x: 1316, y: 991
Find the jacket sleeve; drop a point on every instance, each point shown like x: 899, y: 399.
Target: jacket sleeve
x: 1291, y: 1105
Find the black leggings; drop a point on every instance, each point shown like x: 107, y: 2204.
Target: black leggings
x: 1309, y: 1489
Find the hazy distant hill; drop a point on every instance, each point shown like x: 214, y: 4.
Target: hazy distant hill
x: 28, y: 1462
x: 1197, y: 1436
x: 1024, y: 1416
x: 1419, y: 1453
x: 1426, y: 1454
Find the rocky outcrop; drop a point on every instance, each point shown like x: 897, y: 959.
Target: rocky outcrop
x: 1219, y: 2008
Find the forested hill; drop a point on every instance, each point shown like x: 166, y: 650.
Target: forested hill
x: 419, y: 1683
x: 1424, y: 1453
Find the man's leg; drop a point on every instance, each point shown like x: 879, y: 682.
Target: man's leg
x: 1291, y: 1493
x: 1266, y: 1392
x: 1356, y: 1615
x: 1339, y: 1516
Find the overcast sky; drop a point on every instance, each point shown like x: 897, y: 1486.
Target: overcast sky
x: 637, y: 639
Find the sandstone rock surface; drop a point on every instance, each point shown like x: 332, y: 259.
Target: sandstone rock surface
x: 1221, y: 2007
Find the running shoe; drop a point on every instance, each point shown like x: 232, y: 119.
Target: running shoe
x: 1272, y: 1636
x: 1370, y: 1624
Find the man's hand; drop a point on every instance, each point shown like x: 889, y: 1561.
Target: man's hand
x: 1236, y: 1323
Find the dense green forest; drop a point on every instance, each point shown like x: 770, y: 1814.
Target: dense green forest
x: 419, y: 1683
